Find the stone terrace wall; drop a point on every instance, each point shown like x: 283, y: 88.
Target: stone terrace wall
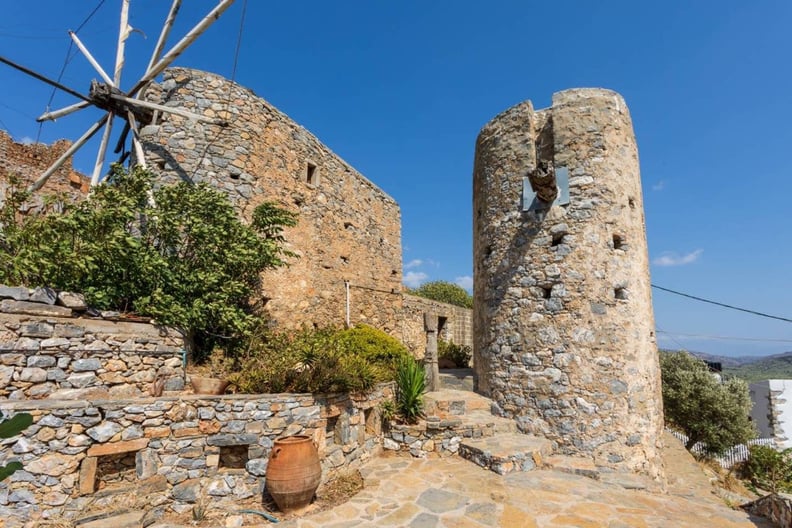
x: 53, y: 351
x: 88, y: 453
x: 458, y: 326
x: 349, y: 229
x: 30, y: 161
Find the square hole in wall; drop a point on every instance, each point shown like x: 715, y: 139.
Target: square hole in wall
x: 330, y: 429
x: 233, y: 457
x: 558, y: 239
x: 547, y: 292
x: 115, y: 470
x: 618, y: 242
x: 311, y: 173
x: 620, y: 293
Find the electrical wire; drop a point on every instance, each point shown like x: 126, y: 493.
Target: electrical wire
x: 725, y: 338
x: 67, y: 60
x: 724, y: 305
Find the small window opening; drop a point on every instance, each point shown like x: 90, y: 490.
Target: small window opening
x: 558, y: 239
x: 618, y: 242
x: 547, y: 292
x: 160, y: 164
x: 311, y: 173
x: 620, y: 293
x: 347, y: 225
x: 233, y: 457
x: 394, y: 272
x: 330, y: 430
x: 631, y: 203
x: 488, y: 251
x: 115, y: 469
x: 234, y: 176
x: 344, y: 259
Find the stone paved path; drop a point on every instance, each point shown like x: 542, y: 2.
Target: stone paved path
x: 454, y: 493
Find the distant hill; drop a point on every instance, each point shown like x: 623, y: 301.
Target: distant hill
x: 777, y: 366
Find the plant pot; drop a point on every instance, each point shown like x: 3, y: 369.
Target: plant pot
x: 293, y: 472
x: 202, y: 385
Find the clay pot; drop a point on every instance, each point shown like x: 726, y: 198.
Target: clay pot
x: 203, y: 385
x: 293, y: 472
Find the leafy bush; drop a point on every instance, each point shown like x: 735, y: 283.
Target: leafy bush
x: 186, y: 260
x: 446, y: 292
x: 410, y: 385
x: 705, y: 409
x: 459, y: 354
x: 9, y: 428
x: 317, y: 360
x: 769, y: 468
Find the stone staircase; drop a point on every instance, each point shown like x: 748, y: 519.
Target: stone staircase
x: 493, y: 442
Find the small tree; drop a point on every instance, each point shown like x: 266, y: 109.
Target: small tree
x: 446, y: 292
x: 706, y: 410
x: 186, y: 260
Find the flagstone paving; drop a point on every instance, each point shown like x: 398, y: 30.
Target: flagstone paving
x: 453, y: 493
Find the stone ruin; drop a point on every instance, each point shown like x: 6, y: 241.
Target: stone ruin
x: 563, y: 323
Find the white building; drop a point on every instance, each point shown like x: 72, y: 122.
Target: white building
x: 772, y: 410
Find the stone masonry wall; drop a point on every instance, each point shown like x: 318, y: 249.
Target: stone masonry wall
x: 349, y: 229
x: 564, y: 329
x: 172, y: 452
x: 48, y: 350
x: 458, y: 326
x: 29, y: 161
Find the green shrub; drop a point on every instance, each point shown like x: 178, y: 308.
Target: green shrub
x: 444, y: 291
x: 410, y: 385
x: 769, y: 468
x: 317, y: 360
x: 186, y: 260
x: 9, y: 428
x: 459, y: 354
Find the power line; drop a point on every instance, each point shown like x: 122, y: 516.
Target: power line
x: 754, y: 312
x: 724, y: 338
x: 67, y: 60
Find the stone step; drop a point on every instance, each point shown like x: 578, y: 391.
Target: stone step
x: 507, y: 452
x: 452, y: 402
x: 459, y: 379
x: 585, y: 467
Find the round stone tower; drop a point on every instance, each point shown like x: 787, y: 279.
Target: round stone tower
x: 564, y: 329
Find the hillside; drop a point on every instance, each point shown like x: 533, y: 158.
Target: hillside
x: 777, y: 366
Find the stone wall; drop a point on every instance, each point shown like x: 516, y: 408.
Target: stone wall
x: 49, y: 350
x: 29, y: 161
x: 564, y: 329
x: 82, y: 454
x: 777, y: 507
x: 349, y: 230
x: 457, y: 323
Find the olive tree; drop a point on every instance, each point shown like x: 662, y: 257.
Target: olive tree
x: 707, y: 410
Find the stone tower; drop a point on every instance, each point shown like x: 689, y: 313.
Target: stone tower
x: 564, y: 329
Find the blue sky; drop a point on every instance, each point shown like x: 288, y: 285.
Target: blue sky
x: 401, y: 89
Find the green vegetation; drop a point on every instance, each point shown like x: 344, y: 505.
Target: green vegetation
x: 769, y: 469
x: 459, y: 354
x: 774, y: 367
x: 410, y: 385
x: 317, y: 360
x: 9, y: 428
x: 187, y: 261
x: 702, y: 407
x: 446, y: 292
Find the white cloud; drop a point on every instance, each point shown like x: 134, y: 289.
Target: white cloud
x: 27, y: 140
x: 413, y: 279
x: 466, y: 282
x: 659, y: 186
x: 674, y: 259
x: 414, y: 263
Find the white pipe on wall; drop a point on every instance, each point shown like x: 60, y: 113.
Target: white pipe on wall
x: 346, y: 287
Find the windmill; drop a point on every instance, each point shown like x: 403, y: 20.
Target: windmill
x: 107, y: 95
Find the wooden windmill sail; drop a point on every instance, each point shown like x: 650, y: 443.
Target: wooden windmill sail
x: 108, y: 96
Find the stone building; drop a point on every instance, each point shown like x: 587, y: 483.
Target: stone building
x: 564, y: 329
x: 28, y: 161
x: 348, y: 238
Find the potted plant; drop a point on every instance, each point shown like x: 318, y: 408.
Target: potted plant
x: 211, y: 376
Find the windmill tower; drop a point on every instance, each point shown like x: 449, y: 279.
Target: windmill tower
x: 107, y: 95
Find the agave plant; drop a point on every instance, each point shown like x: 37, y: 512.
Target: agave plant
x: 9, y: 428
x: 410, y: 385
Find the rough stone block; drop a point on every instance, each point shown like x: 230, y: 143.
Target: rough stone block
x: 14, y: 292
x: 75, y: 301
x: 44, y: 295
x: 114, y: 448
x: 32, y: 308
x: 37, y: 329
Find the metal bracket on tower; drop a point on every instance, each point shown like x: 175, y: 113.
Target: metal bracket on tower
x: 530, y: 202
